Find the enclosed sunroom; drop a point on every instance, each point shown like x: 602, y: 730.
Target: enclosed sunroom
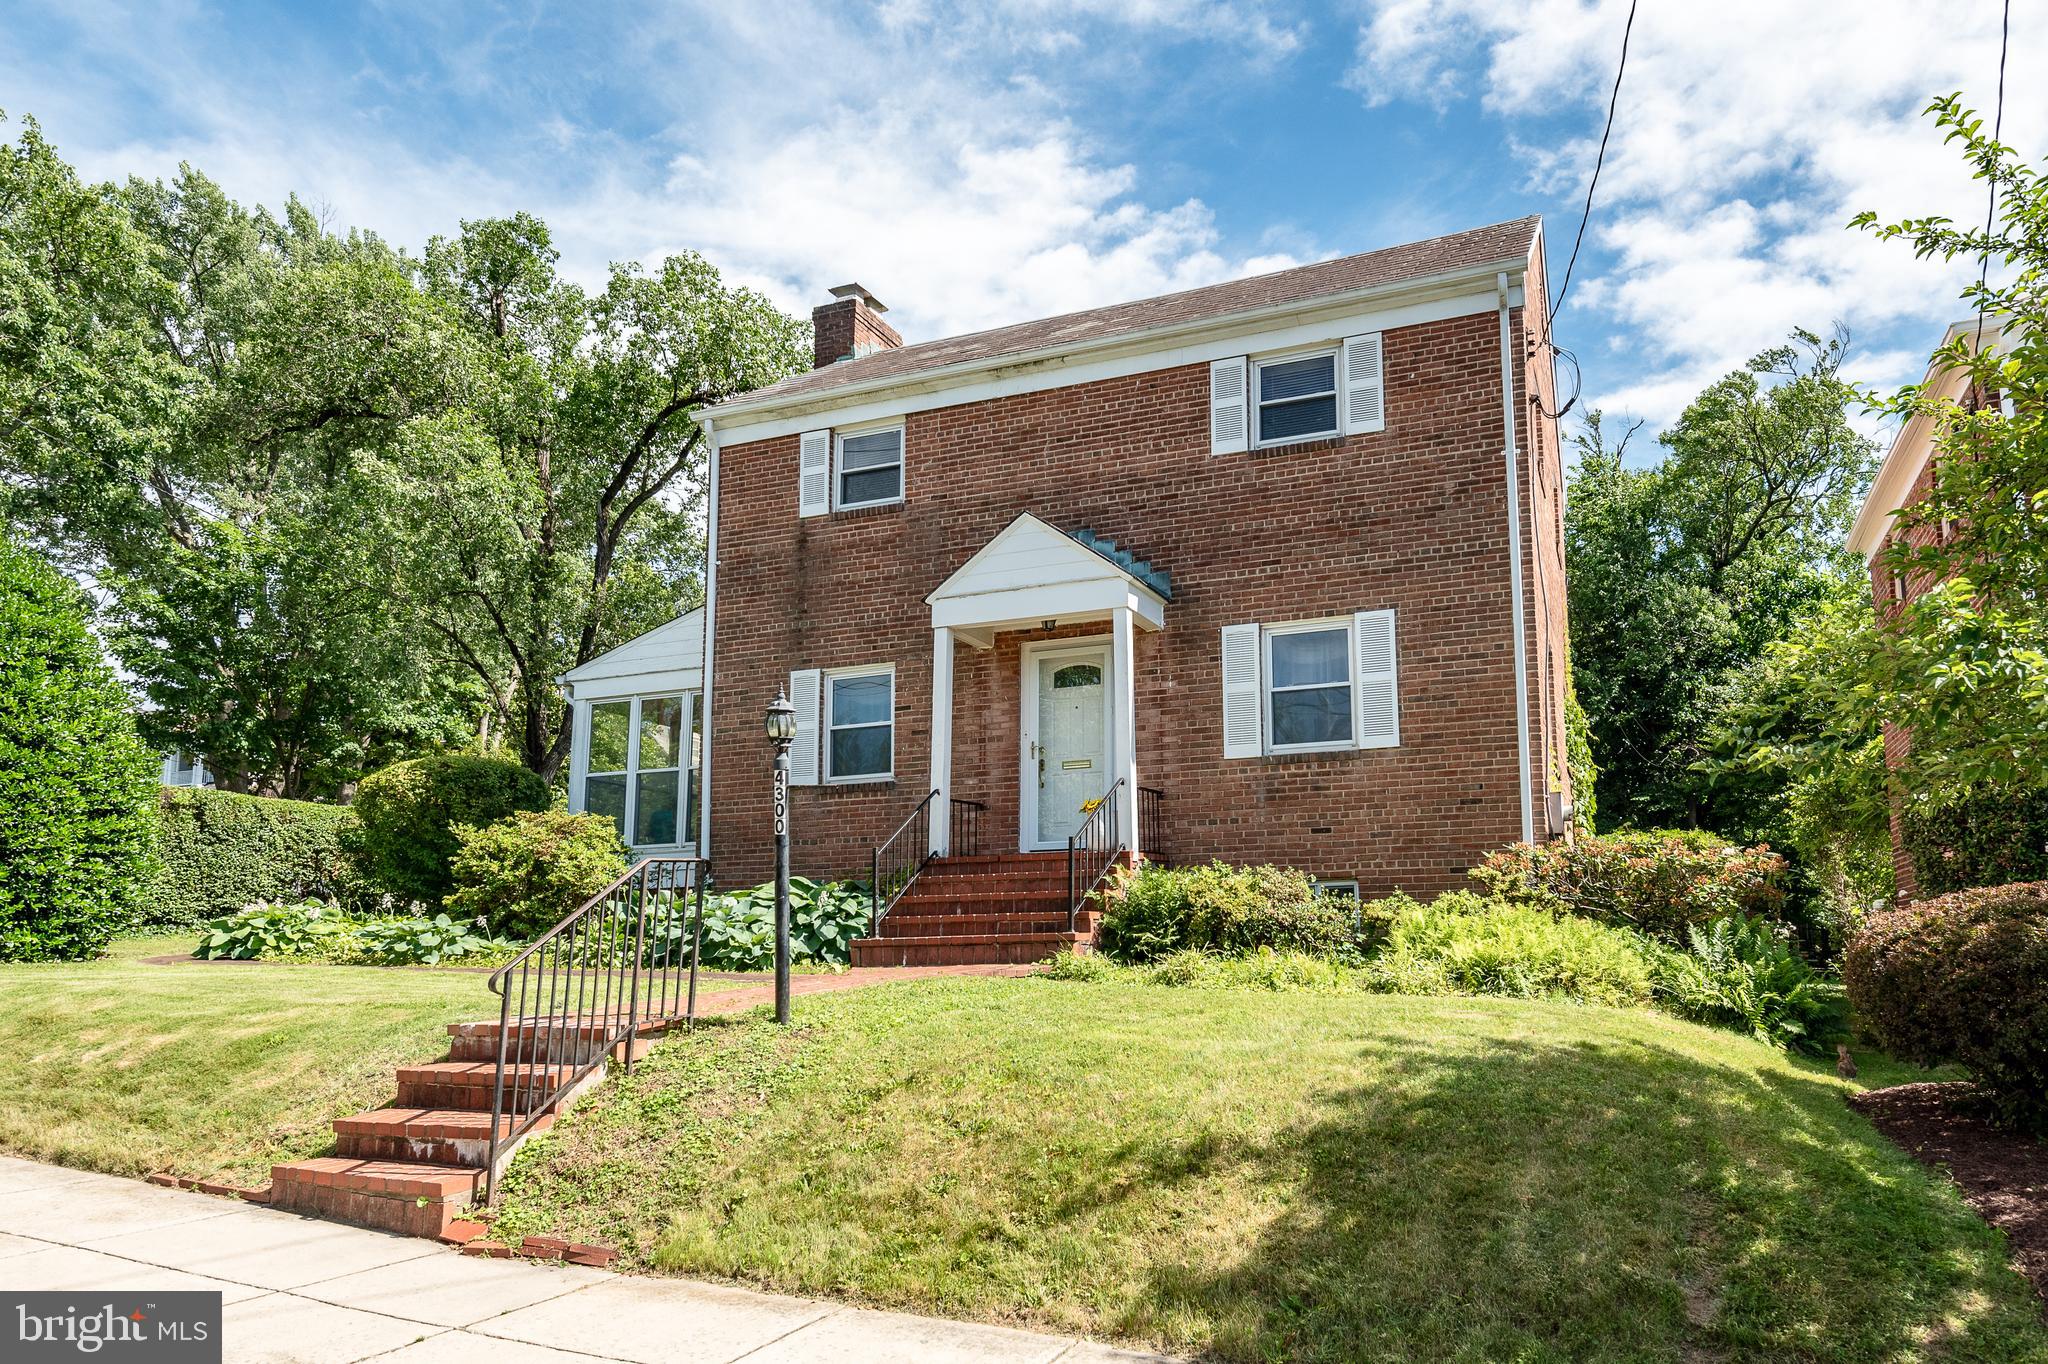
x: 637, y: 742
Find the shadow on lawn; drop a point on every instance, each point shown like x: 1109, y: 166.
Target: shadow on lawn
x: 1610, y: 1200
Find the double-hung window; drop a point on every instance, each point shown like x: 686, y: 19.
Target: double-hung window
x: 860, y: 725
x: 1296, y: 398
x: 1308, y: 687
x: 868, y: 470
x: 642, y: 766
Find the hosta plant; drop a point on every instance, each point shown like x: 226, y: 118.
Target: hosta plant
x: 269, y: 929
x: 422, y: 941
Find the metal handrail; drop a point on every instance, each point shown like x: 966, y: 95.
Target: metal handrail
x: 966, y: 826
x: 588, y: 984
x: 907, y: 861
x: 1100, y: 839
x: 1152, y: 824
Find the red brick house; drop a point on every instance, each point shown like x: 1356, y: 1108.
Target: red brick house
x: 1267, y: 571
x: 1905, y: 478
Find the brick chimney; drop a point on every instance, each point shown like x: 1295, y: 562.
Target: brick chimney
x: 851, y: 326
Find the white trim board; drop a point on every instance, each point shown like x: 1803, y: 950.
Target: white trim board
x: 1141, y: 353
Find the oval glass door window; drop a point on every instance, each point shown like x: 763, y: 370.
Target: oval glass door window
x: 1077, y: 675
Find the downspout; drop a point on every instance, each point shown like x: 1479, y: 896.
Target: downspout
x: 1507, y: 415
x: 710, y: 642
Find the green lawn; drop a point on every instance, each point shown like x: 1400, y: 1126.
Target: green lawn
x: 208, y: 1070
x: 1288, y: 1176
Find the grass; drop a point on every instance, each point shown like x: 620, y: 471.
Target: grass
x: 214, y: 1071
x: 1288, y: 1176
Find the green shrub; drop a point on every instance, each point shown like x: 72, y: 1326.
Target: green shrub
x: 1159, y: 910
x: 739, y: 928
x: 268, y: 929
x: 1657, y: 882
x: 220, y: 851
x: 1964, y: 978
x: 419, y: 941
x: 525, y: 873
x: 1986, y: 836
x: 404, y: 838
x: 77, y: 788
x: 1463, y: 943
x: 1190, y: 968
x: 1738, y: 972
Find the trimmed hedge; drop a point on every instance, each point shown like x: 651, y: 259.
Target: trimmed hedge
x: 404, y: 839
x: 77, y: 787
x: 221, y: 851
x: 1964, y: 978
x: 523, y: 874
x: 1221, y: 908
x: 1658, y: 882
x: 1988, y: 836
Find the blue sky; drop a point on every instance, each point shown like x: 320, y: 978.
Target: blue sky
x: 982, y: 163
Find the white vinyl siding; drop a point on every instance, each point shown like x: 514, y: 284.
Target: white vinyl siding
x: 1311, y: 686
x: 1228, y: 425
x: 814, y: 473
x: 868, y: 469
x: 804, y: 686
x: 860, y: 724
x: 1364, y: 385
x: 1294, y: 398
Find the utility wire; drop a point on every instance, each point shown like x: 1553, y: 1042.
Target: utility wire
x: 1585, y: 216
x: 1600, y: 158
x: 1991, y: 212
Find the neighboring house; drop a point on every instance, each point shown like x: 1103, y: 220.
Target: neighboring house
x: 1905, y: 478
x: 182, y: 769
x: 1284, y: 554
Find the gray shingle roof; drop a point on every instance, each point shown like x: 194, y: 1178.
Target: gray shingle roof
x: 1394, y: 264
x: 1158, y: 579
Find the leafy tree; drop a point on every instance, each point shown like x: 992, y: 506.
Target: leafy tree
x: 78, y: 791
x: 1963, y: 668
x: 560, y: 514
x: 1680, y: 573
x: 199, y: 402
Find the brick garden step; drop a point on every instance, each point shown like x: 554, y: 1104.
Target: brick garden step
x: 990, y: 921
x: 964, y: 949
x: 414, y: 1197
x: 472, y: 1084
x: 445, y: 1136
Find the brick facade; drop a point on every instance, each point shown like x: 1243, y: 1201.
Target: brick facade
x: 1896, y: 741
x: 1413, y: 518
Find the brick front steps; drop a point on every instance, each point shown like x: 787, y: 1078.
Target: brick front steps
x: 1006, y: 908
x: 416, y: 1166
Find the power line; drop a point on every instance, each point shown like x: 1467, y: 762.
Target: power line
x: 1991, y: 211
x: 1600, y: 158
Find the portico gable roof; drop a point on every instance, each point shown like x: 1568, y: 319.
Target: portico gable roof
x: 1032, y: 572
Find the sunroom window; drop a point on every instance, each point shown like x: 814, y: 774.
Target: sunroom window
x: 1297, y: 398
x: 644, y: 756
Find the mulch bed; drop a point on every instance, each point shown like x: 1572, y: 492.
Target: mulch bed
x: 2003, y: 1176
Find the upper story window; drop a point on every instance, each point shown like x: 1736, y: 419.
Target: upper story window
x: 1296, y: 398
x: 860, y: 725
x: 868, y: 469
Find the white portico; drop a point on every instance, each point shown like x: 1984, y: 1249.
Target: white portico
x: 1079, y: 721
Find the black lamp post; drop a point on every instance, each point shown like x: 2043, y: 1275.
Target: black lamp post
x: 781, y: 725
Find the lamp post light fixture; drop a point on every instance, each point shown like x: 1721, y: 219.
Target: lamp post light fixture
x: 781, y: 727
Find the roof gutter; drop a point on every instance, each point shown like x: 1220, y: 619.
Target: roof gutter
x: 1507, y: 416
x: 1148, y: 338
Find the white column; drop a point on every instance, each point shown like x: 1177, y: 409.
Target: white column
x: 579, y: 753
x: 942, y: 738
x: 1124, y: 721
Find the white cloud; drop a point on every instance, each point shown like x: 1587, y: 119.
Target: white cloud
x: 1746, y: 137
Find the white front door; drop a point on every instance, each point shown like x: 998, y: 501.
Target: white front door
x: 1066, y: 740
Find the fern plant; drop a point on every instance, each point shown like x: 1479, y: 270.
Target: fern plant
x: 1737, y: 972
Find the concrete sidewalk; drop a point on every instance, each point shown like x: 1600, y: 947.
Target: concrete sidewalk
x: 298, y: 1289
